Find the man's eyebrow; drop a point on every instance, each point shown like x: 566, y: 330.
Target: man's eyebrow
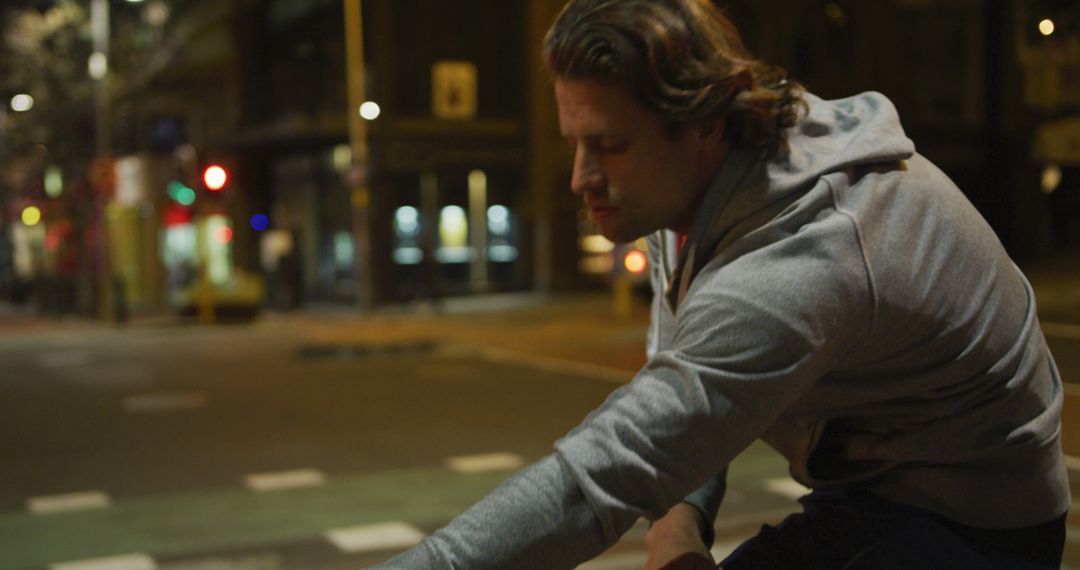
x: 593, y: 136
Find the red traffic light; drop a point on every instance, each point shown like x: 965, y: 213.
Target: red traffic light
x: 215, y: 177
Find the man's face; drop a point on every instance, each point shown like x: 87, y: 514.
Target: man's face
x: 634, y: 176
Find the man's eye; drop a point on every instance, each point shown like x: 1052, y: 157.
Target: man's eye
x: 616, y: 146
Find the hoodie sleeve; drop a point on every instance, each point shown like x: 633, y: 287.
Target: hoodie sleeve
x: 751, y: 338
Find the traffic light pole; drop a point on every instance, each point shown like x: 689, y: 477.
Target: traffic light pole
x: 360, y: 192
x: 109, y: 299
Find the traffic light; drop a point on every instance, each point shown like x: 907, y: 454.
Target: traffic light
x: 180, y: 193
x: 215, y: 177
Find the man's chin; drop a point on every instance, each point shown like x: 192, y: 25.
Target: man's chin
x: 615, y: 236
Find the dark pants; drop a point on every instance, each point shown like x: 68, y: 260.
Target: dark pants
x: 858, y: 531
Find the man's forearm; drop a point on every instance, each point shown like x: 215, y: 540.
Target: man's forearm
x: 536, y: 519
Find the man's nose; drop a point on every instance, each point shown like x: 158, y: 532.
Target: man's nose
x: 587, y: 174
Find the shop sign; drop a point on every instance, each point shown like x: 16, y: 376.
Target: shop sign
x: 453, y: 90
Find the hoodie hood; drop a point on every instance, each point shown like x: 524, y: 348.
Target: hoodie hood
x: 830, y: 136
x: 835, y: 135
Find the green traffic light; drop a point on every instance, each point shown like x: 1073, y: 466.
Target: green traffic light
x: 182, y: 194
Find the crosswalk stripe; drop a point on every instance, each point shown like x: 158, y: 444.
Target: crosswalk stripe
x: 485, y: 462
x: 786, y: 487
x: 49, y: 504
x: 281, y: 480
x: 122, y: 562
x: 382, y: 536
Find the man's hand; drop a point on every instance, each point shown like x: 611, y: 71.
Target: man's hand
x: 674, y: 541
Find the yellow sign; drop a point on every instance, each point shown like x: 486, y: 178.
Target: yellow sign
x: 453, y: 90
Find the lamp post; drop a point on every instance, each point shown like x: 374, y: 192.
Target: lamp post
x: 99, y: 67
x: 360, y: 191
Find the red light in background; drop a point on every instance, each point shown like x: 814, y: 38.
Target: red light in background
x: 215, y: 177
x: 635, y: 262
x: 224, y: 234
x: 175, y: 215
x: 52, y: 241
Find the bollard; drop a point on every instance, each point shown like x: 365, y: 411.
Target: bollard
x: 623, y: 297
x: 204, y: 300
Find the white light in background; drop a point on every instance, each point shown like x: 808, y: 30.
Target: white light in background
x: 342, y: 157
x: 453, y: 227
x: 1051, y: 178
x: 54, y: 182
x: 344, y: 251
x: 98, y: 65
x: 22, y: 103
x: 596, y: 243
x: 407, y: 220
x: 498, y: 219
x: 370, y: 110
x: 453, y: 236
x: 1046, y: 27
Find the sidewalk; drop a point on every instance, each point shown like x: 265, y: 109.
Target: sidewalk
x: 580, y: 328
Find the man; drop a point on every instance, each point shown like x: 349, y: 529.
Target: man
x: 819, y: 285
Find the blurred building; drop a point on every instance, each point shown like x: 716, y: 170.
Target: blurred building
x: 465, y: 186
x: 461, y: 197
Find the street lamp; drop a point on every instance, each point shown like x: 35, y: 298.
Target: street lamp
x: 22, y: 103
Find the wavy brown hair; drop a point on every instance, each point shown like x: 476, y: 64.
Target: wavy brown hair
x: 682, y: 59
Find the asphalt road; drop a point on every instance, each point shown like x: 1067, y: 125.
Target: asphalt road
x: 142, y: 448
x: 270, y: 447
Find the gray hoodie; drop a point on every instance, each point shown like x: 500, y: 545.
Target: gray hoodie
x: 846, y: 304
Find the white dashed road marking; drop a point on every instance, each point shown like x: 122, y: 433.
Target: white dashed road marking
x: 164, y: 402
x: 280, y: 480
x: 49, y: 504
x: 383, y: 536
x: 485, y: 462
x: 122, y: 562
x: 786, y: 487
x: 64, y: 359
